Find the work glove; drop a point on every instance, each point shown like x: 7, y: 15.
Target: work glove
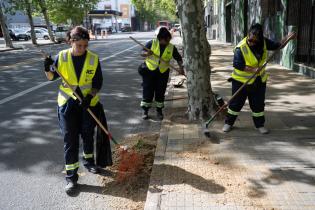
x: 147, y: 53
x: 47, y: 63
x: 85, y: 103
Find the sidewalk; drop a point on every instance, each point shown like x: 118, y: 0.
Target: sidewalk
x: 244, y: 169
x: 20, y: 44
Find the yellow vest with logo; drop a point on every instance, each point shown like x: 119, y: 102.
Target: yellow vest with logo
x: 250, y: 60
x: 154, y: 62
x: 66, y: 68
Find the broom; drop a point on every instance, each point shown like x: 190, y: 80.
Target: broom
x: 206, y: 130
x: 130, y: 161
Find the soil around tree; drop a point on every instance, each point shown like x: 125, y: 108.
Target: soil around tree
x: 130, y: 189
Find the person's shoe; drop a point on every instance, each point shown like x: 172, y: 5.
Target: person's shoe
x: 71, y: 187
x: 227, y: 128
x: 263, y: 130
x: 145, y: 115
x: 92, y: 168
x: 159, y: 114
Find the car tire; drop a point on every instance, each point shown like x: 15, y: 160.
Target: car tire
x: 46, y: 37
x: 26, y: 39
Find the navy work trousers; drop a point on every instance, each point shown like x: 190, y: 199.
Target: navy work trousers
x: 256, y: 97
x: 154, y: 85
x: 75, y: 122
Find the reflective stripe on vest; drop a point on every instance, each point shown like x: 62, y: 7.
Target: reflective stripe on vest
x: 250, y: 60
x: 65, y: 67
x: 154, y: 62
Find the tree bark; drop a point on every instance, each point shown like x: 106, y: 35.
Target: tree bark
x: 196, y: 59
x: 30, y: 19
x: 42, y: 5
x: 7, y: 38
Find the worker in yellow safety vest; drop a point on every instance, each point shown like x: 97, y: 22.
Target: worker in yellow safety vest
x: 249, y: 55
x: 81, y: 68
x: 155, y: 72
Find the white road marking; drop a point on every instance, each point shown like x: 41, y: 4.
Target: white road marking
x: 118, y: 53
x: 31, y: 60
x: 15, y: 96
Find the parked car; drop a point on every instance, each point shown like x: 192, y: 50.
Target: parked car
x: 17, y: 34
x: 39, y: 34
x: 44, y: 30
x: 126, y: 29
x: 61, y: 33
x: 176, y: 27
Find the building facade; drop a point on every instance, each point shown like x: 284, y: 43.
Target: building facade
x: 229, y: 21
x: 115, y: 14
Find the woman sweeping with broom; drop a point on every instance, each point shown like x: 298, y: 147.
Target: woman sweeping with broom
x: 249, y: 55
x: 82, y: 70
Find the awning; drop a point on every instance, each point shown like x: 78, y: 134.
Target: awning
x: 107, y: 12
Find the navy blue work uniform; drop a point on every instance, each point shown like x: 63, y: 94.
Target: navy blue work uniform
x: 154, y: 83
x: 74, y: 122
x: 254, y: 92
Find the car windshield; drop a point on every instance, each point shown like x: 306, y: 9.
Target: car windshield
x: 18, y: 31
x: 62, y: 29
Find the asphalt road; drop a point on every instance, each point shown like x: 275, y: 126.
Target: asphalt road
x: 31, y: 146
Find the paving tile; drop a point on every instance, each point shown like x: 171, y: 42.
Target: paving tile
x: 275, y: 171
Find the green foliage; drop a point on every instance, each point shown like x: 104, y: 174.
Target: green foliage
x: 61, y: 11
x: 154, y: 10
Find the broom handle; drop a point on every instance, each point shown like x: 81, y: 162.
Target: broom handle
x: 88, y: 109
x: 254, y: 75
x: 147, y: 49
x: 80, y: 99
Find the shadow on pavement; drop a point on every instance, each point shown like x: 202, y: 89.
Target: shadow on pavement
x: 175, y: 175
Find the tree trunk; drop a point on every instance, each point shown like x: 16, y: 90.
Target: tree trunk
x: 42, y: 5
x: 7, y: 38
x: 196, y: 56
x: 30, y: 19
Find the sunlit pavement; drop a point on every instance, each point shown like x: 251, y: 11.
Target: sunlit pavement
x: 31, y: 146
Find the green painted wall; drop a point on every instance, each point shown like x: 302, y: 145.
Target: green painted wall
x: 238, y: 21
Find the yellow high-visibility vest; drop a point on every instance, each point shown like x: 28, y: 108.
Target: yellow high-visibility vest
x: 250, y: 60
x: 154, y: 62
x: 66, y: 68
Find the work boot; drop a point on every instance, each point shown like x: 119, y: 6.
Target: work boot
x: 227, y: 128
x: 92, y: 168
x: 159, y: 114
x: 263, y: 130
x: 145, y: 115
x: 71, y: 187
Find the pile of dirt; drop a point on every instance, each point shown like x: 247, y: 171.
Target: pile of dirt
x: 130, y: 179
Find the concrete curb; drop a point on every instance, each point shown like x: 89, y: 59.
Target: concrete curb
x: 155, y: 189
x: 20, y: 48
x: 10, y: 49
